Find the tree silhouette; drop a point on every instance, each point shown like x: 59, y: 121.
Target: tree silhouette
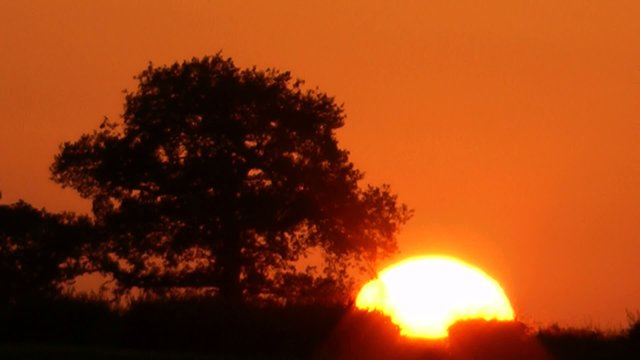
x: 38, y: 251
x: 222, y: 178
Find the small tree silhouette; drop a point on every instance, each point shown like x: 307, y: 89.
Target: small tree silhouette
x: 223, y: 178
x: 38, y: 252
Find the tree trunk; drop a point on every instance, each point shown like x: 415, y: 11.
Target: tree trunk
x: 231, y: 267
x: 230, y: 257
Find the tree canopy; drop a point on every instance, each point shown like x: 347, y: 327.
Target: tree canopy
x: 223, y: 178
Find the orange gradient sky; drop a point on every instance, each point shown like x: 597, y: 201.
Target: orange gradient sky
x: 511, y: 127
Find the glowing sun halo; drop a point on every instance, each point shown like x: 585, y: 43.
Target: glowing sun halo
x: 425, y: 295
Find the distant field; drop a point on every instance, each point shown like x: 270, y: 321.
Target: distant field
x: 61, y: 352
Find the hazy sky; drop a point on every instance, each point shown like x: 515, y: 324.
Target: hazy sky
x: 511, y: 127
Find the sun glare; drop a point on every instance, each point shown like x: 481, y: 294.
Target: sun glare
x: 426, y: 295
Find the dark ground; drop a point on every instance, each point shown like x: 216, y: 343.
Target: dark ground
x: 203, y: 329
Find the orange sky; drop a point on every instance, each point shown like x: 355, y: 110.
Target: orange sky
x: 511, y: 127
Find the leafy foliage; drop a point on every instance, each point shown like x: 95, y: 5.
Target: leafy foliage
x: 223, y: 179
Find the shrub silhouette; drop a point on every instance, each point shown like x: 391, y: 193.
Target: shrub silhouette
x: 39, y: 252
x: 481, y: 339
x: 572, y: 343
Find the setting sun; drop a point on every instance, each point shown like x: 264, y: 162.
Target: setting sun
x: 426, y: 295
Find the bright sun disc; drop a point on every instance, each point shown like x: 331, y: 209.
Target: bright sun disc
x: 426, y: 295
